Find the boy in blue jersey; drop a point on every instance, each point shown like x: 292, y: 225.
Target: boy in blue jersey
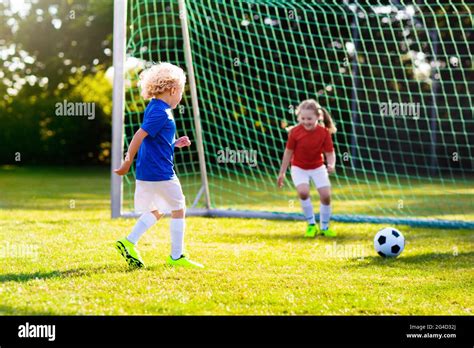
x: 157, y: 190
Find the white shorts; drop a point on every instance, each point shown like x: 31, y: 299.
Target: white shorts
x: 163, y: 196
x: 302, y: 176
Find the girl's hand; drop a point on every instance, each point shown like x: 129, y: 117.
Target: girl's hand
x: 124, y: 168
x: 182, y: 142
x: 281, y: 179
x: 331, y: 169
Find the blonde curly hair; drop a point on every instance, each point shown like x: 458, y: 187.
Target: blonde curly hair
x: 160, y: 78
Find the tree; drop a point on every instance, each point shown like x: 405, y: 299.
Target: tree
x: 54, y: 51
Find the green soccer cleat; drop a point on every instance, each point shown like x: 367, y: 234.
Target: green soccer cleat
x: 128, y: 251
x: 183, y: 261
x: 328, y: 233
x: 311, y: 231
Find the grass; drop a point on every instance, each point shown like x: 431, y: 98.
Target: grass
x: 58, y: 258
x: 401, y: 197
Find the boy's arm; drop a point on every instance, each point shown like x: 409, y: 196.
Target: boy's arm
x: 331, y: 161
x: 132, y: 151
x: 284, y: 166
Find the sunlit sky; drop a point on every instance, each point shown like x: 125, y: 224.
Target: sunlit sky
x: 20, y: 6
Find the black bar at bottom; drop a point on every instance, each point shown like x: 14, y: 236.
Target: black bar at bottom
x: 194, y: 330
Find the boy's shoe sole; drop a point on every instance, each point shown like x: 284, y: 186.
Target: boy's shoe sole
x: 131, y: 261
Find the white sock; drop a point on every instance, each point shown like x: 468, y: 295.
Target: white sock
x: 324, y: 215
x: 177, y: 237
x: 143, y: 224
x: 308, y: 210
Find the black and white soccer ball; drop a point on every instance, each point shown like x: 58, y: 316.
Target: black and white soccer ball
x: 389, y: 242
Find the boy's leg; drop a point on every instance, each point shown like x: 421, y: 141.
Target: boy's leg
x: 126, y: 246
x: 177, y: 228
x: 145, y: 221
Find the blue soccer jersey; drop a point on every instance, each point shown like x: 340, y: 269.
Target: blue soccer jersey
x: 156, y: 153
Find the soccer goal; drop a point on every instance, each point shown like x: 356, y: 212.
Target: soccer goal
x: 396, y: 76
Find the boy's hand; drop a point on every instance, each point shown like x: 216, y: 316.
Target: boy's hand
x: 124, y: 168
x: 182, y: 142
x: 281, y: 179
x: 331, y: 169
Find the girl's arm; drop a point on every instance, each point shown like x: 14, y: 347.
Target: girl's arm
x: 284, y: 166
x: 132, y: 151
x: 331, y: 161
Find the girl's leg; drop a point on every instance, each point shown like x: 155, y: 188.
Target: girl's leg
x: 306, y: 205
x: 301, y: 179
x: 143, y: 224
x: 325, y: 206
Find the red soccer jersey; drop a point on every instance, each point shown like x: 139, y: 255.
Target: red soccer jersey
x: 309, y: 146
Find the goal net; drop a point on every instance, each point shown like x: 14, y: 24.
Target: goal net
x: 396, y: 76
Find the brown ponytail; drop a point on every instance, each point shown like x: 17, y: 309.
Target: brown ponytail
x: 328, y: 122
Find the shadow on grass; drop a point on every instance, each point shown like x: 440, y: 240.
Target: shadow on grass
x: 70, y: 273
x: 444, y: 260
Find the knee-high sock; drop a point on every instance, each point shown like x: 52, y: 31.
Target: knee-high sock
x: 177, y: 227
x: 324, y: 215
x: 308, y: 210
x: 143, y: 224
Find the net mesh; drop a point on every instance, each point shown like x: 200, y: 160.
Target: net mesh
x: 395, y: 76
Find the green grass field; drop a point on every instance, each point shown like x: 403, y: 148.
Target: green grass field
x: 58, y: 258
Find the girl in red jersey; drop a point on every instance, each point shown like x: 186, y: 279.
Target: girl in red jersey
x: 307, y: 142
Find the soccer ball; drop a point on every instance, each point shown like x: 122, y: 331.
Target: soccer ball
x: 389, y: 242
